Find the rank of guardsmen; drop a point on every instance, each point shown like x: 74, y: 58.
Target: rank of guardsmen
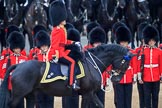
x: 145, y: 69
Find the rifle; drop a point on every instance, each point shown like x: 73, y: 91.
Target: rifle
x: 142, y: 62
x: 8, y: 60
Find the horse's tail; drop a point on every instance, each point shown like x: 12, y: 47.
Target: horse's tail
x: 4, y: 92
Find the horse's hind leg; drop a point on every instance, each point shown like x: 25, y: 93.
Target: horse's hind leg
x: 19, y: 91
x: 97, y: 101
x: 16, y: 100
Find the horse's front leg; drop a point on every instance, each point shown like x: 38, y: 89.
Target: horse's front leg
x: 86, y: 99
x: 96, y: 100
x: 91, y: 97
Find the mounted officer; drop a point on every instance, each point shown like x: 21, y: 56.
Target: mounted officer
x: 57, y: 50
x: 72, y: 101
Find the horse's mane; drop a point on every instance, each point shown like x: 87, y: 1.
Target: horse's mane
x: 109, y: 47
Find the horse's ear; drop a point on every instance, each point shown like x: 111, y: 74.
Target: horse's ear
x: 131, y: 54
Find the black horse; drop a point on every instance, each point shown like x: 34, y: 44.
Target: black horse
x: 133, y: 15
x: 34, y: 16
x: 95, y: 61
x: 103, y: 11
x: 155, y: 7
x: 78, y: 13
x: 108, y: 14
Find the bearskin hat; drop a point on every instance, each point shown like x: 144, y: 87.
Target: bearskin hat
x: 37, y: 28
x: 97, y: 34
x: 91, y: 25
x: 42, y: 38
x: 16, y: 40
x: 150, y: 32
x: 73, y: 34
x: 114, y: 28
x: 140, y: 29
x: 123, y: 33
x: 57, y: 12
x: 10, y: 29
x: 69, y: 26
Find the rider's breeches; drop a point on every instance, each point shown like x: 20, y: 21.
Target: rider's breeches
x: 68, y: 60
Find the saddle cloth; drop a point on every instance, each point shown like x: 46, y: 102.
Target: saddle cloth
x: 56, y: 71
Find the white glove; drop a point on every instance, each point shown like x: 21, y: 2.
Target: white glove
x: 79, y: 45
x: 135, y: 78
x: 139, y: 75
x: 54, y: 60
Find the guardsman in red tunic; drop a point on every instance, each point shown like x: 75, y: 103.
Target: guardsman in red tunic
x: 57, y: 13
x: 140, y: 60
x: 97, y: 36
x: 43, y: 43
x: 123, y: 89
x: 33, y: 52
x: 7, y: 51
x: 16, y: 43
x: 150, y: 77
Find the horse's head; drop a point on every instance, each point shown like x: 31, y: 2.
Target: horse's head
x: 115, y: 55
x: 12, y: 10
x: 120, y: 64
x: 36, y: 13
x: 122, y: 3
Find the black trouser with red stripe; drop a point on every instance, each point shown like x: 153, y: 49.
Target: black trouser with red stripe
x: 71, y: 63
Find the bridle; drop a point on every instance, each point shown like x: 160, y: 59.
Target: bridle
x: 110, y: 17
x: 113, y: 72
x: 9, y: 8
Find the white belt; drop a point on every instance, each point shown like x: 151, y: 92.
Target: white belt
x: 151, y: 65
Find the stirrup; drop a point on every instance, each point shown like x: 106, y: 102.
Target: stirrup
x: 75, y: 87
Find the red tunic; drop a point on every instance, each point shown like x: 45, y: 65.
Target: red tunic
x: 131, y: 72
x: 3, y: 56
x: 87, y: 46
x: 41, y: 57
x: 33, y: 51
x: 14, y: 60
x: 152, y: 64
x: 58, y: 41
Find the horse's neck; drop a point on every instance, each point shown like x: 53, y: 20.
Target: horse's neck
x: 131, y: 3
x: 100, y: 62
